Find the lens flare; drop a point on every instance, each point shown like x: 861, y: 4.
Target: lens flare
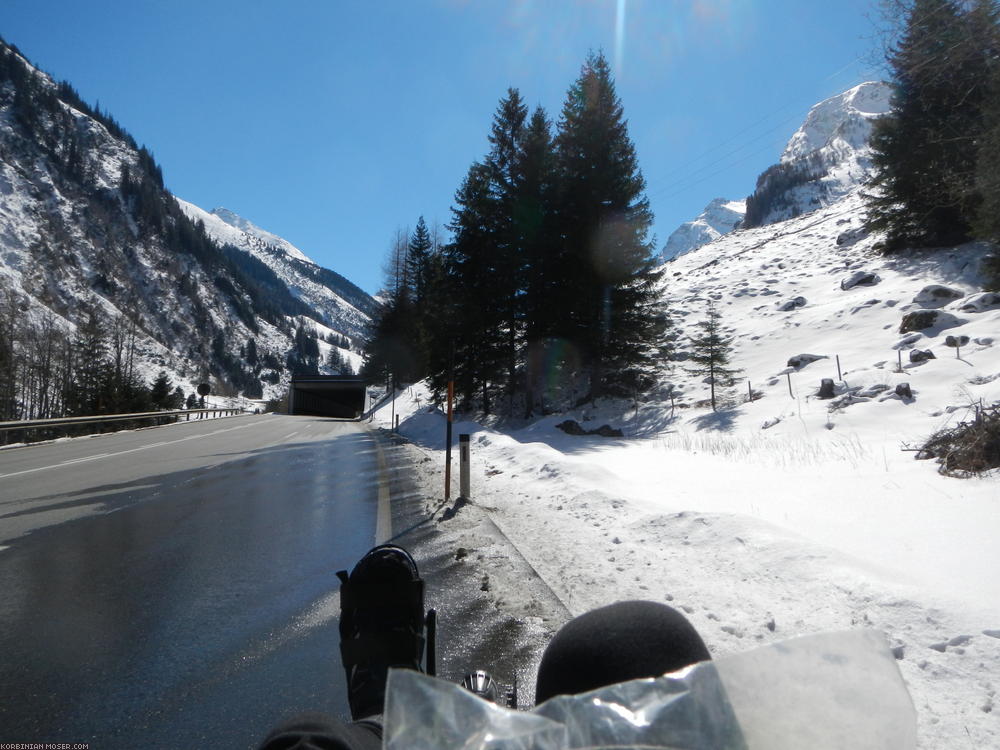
x: 619, y: 37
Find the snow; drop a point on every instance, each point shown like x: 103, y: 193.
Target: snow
x: 287, y: 262
x: 719, y: 217
x: 843, y: 120
x: 834, y: 135
x: 782, y: 516
x: 244, y: 225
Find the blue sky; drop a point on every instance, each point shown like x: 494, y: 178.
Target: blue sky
x: 334, y: 123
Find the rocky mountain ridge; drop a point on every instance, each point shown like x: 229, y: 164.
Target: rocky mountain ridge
x: 826, y: 158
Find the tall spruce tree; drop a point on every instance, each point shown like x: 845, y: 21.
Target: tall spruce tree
x: 608, y: 306
x: 474, y: 336
x: 925, y: 150
x: 535, y: 224
x: 418, y: 262
x: 504, y: 165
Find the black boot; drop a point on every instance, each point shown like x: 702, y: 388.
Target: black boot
x: 381, y: 624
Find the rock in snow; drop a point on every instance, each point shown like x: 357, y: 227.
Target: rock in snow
x: 860, y: 278
x: 937, y: 295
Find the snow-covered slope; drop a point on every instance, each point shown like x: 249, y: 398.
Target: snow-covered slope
x: 248, y: 227
x: 719, y: 217
x: 789, y: 514
x: 344, y: 307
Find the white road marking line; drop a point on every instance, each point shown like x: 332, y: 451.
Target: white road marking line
x: 122, y: 453
x: 383, y: 518
x: 77, y: 460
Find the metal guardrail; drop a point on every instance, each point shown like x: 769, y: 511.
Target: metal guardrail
x: 72, y: 421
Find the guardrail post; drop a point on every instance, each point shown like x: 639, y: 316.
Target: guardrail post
x: 464, y: 490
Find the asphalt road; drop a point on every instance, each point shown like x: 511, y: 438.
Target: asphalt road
x: 174, y: 587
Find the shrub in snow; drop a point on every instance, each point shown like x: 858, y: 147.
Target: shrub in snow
x: 860, y: 278
x: 922, y: 320
x: 968, y: 448
x: 921, y: 355
x: 937, y: 295
x: 791, y: 304
x: 980, y: 302
x: 801, y: 360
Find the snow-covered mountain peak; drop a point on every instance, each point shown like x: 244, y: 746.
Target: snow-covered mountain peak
x: 845, y: 117
x: 233, y: 219
x: 344, y: 307
x: 719, y: 217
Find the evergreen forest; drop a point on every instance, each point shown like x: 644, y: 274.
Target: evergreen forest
x: 547, y: 293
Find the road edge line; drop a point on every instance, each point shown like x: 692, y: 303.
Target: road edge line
x: 383, y: 517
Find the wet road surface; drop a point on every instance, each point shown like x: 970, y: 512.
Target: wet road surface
x: 175, y: 587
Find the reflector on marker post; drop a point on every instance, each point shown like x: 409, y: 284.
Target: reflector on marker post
x: 463, y: 458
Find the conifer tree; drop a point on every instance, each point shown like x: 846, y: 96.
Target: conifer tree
x: 469, y: 262
x: 418, y: 262
x: 711, y: 354
x: 535, y: 224
x: 925, y: 150
x: 87, y: 390
x: 987, y: 221
x: 504, y: 163
x: 160, y: 390
x: 608, y: 304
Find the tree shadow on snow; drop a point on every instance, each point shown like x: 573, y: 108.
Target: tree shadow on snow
x: 723, y: 420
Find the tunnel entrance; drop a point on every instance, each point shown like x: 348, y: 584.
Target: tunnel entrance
x: 327, y: 396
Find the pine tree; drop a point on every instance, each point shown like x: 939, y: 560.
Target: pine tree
x: 608, y: 304
x: 87, y: 390
x: 711, y: 354
x: 504, y: 165
x: 176, y: 399
x: 472, y: 331
x: 534, y: 221
x: 252, y: 358
x: 987, y: 221
x: 160, y: 390
x: 418, y: 262
x: 925, y: 150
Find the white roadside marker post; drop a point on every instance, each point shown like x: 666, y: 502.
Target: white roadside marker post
x: 463, y: 457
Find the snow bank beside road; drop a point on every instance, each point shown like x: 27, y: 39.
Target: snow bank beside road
x: 755, y: 549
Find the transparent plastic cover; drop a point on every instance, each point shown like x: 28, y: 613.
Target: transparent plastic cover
x: 820, y: 692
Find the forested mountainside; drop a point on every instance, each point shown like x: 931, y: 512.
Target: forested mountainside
x: 106, y: 280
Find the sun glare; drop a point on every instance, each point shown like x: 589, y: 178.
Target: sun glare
x: 619, y: 37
